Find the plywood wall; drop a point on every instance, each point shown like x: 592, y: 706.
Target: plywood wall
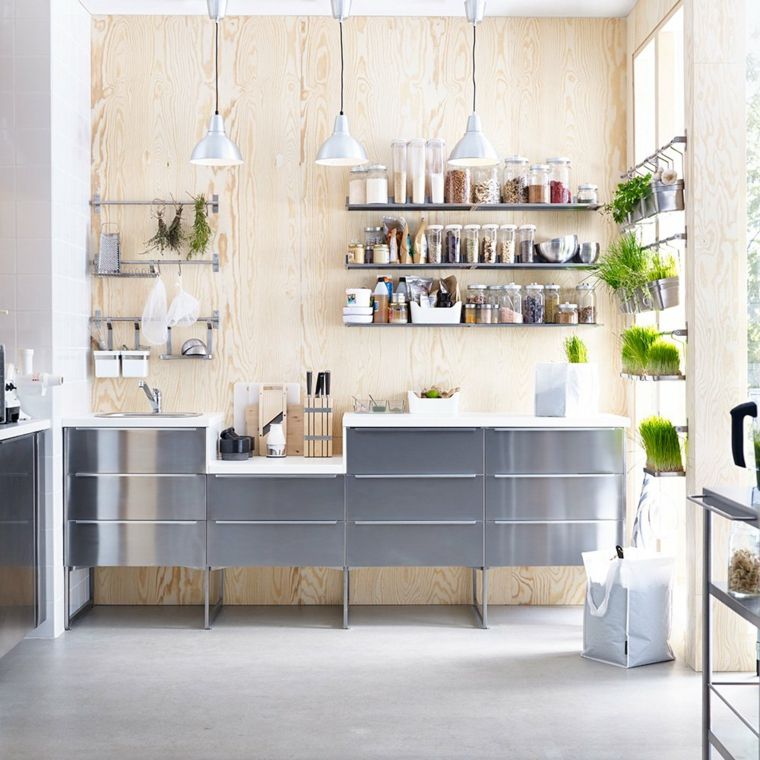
x: 547, y: 87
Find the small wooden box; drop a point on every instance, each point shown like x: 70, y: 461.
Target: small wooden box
x: 318, y: 426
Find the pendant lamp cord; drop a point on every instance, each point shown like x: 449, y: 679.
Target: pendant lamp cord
x: 474, y: 84
x: 216, y: 64
x: 341, y: 67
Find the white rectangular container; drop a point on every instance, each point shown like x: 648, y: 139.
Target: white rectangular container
x: 451, y: 315
x: 134, y: 363
x: 440, y: 406
x: 107, y: 363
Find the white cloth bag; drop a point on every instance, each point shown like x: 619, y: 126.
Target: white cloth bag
x: 626, y: 619
x: 154, y: 318
x: 566, y: 390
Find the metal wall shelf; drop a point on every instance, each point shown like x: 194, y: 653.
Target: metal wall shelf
x: 403, y: 325
x: 146, y: 268
x: 658, y: 474
x: 467, y: 207
x: 97, y: 203
x: 665, y: 241
x: 654, y: 378
x: 548, y: 267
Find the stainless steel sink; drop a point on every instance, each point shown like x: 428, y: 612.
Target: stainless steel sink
x: 148, y: 415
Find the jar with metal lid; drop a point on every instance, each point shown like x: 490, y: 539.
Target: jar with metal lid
x: 551, y: 303
x: 559, y: 180
x: 538, y: 184
x: 493, y: 297
x: 377, y: 184
x: 356, y: 253
x: 476, y: 294
x: 514, y: 180
x: 470, y: 313
x: 744, y: 560
x: 567, y: 314
x: 489, y: 239
x: 458, y: 184
x: 398, y: 154
x: 471, y: 243
x: 584, y: 294
x: 533, y: 304
x: 507, y: 233
x: 415, y: 171
x: 588, y: 194
x: 434, y: 235
x: 357, y: 186
x: 436, y: 169
x: 485, y: 314
x: 399, y: 311
x: 453, y: 243
x: 526, y: 243
x: 381, y: 253
x: 485, y: 184
x: 510, y: 307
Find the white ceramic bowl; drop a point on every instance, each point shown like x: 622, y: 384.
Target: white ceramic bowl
x: 357, y: 319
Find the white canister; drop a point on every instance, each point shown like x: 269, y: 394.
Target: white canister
x: 358, y: 297
x: 357, y: 186
x: 276, y: 440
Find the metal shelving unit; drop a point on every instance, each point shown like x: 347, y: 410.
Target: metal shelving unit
x: 150, y: 268
x: 517, y: 207
x: 546, y: 267
x: 404, y: 325
x: 654, y: 378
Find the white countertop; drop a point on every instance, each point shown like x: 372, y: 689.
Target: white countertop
x: 483, y: 420
x: 205, y: 420
x: 287, y: 466
x: 23, y: 428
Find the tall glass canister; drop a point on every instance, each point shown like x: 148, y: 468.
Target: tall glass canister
x: 514, y: 184
x: 416, y: 169
x: 398, y: 151
x: 436, y: 169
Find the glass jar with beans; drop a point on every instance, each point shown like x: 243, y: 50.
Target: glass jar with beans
x: 453, y: 243
x: 471, y: 243
x: 489, y: 240
x: 507, y: 234
x: 434, y: 235
x: 551, y: 303
x: 514, y: 182
x: 586, y: 298
x: 458, y: 185
x: 533, y: 304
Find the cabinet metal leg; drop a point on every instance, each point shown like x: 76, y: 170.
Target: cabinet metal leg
x: 67, y: 598
x: 210, y: 611
x: 346, y: 588
x: 481, y: 611
x: 706, y: 633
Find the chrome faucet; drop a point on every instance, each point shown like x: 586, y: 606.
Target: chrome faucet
x: 153, y: 395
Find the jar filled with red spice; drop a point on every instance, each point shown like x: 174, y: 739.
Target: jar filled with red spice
x: 559, y: 180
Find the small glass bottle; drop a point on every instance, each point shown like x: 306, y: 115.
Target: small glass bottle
x: 551, y: 303
x: 399, y: 311
x: 357, y: 186
x: 416, y: 170
x: 584, y: 294
x: 507, y: 233
x: 559, y: 180
x: 377, y: 184
x: 527, y: 243
x: 567, y: 314
x: 458, y: 185
x: 744, y: 560
x: 533, y: 304
x: 434, y: 235
x: 511, y: 311
x: 398, y: 152
x: 471, y: 243
x: 489, y: 242
x: 453, y: 243
x: 436, y: 169
x: 538, y: 184
x: 485, y: 314
x: 470, y: 313
x: 485, y: 185
x: 514, y: 183
x: 588, y: 194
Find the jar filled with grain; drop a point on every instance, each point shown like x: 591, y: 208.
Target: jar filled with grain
x: 485, y: 185
x: 744, y: 560
x: 485, y: 314
x: 538, y: 184
x: 551, y: 303
x: 471, y: 243
x: 398, y: 154
x: 559, y: 180
x: 489, y: 240
x: 434, y: 235
x: 526, y: 246
x: 453, y: 243
x: 507, y: 234
x: 533, y: 304
x: 493, y: 297
x: 416, y: 170
x: 357, y: 186
x: 510, y: 307
x: 436, y: 166
x: 458, y: 185
x: 586, y: 298
x: 567, y: 314
x: 377, y: 184
x: 514, y: 180
x: 477, y: 294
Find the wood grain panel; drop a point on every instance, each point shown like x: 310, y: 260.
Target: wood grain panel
x: 547, y: 87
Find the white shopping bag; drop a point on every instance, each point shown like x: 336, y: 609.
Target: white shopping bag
x: 626, y: 618
x: 566, y: 390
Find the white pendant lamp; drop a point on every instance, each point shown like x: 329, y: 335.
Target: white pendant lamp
x: 216, y: 149
x: 474, y: 149
x: 340, y: 149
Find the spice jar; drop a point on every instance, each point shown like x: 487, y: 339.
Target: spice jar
x: 533, y: 304
x: 436, y: 164
x: 372, y: 236
x: 416, y: 170
x: 489, y: 234
x: 744, y: 560
x: 476, y: 294
x: 471, y: 243
x: 538, y: 184
x: 434, y: 235
x: 507, y: 234
x: 551, y: 303
x: 587, y: 194
x: 377, y: 184
x: 381, y: 254
x: 357, y: 186
x: 567, y: 314
x: 584, y: 294
x: 493, y: 297
x: 485, y: 184
x: 398, y: 153
x: 485, y: 314
x: 527, y: 243
x: 399, y: 311
x: 559, y: 180
x: 453, y: 243
x: 510, y: 307
x: 458, y: 184
x: 356, y: 253
x: 470, y: 313
x: 514, y: 182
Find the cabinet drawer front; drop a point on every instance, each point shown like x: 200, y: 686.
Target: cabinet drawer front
x: 415, y: 451
x: 414, y: 498
x: 136, y: 497
x: 300, y: 543
x: 275, y: 498
x: 393, y: 544
x: 18, y: 473
x: 136, y: 543
x: 536, y: 544
x: 135, y: 450
x: 587, y: 497
x: 538, y: 452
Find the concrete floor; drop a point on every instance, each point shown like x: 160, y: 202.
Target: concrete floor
x: 403, y: 683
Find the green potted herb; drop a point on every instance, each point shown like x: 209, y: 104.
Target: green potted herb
x: 576, y: 351
x: 567, y: 389
x: 623, y: 269
x: 632, y: 201
x: 663, y: 359
x: 636, y: 345
x: 662, y: 281
x: 662, y: 445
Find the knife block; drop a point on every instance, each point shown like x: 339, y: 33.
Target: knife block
x: 318, y: 426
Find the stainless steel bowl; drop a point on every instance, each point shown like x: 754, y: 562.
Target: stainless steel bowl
x: 588, y: 253
x: 559, y: 250
x: 194, y: 347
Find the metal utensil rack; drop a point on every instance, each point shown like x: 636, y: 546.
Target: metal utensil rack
x: 97, y: 203
x: 144, y: 268
x: 735, y: 505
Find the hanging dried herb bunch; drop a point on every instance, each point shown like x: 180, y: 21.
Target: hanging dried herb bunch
x: 175, y: 235
x: 160, y: 240
x: 200, y: 237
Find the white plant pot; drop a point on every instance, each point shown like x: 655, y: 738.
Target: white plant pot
x: 440, y: 406
x: 566, y: 390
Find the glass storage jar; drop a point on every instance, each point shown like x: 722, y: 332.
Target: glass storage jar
x: 559, y: 180
x: 567, y: 314
x: 416, y: 170
x: 470, y: 313
x: 538, y: 184
x: 436, y: 166
x: 493, y: 297
x: 434, y: 235
x: 586, y: 298
x: 485, y: 314
x: 458, y: 184
x: 377, y: 184
x: 588, y: 194
x: 489, y: 235
x: 453, y: 243
x: 399, y: 311
x: 485, y: 185
x: 381, y: 253
x: 533, y: 304
x: 357, y: 186
x: 372, y: 236
x: 551, y: 303
x: 507, y: 234
x: 510, y: 308
x: 398, y: 154
x: 514, y: 180
x: 477, y: 294
x: 471, y: 243
x: 744, y: 560
x: 526, y: 234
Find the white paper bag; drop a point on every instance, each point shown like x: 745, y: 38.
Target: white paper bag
x: 566, y: 390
